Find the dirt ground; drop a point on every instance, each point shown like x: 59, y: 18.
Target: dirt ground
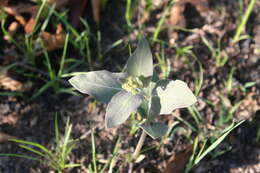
x: 33, y: 120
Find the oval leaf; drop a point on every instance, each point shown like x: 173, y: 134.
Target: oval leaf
x: 120, y: 107
x: 102, y: 85
x: 141, y: 62
x: 155, y: 130
x: 173, y: 95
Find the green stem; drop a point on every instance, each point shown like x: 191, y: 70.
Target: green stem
x: 242, y: 25
x: 139, y: 145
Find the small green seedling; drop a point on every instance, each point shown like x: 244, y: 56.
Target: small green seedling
x: 138, y: 89
x: 56, y: 158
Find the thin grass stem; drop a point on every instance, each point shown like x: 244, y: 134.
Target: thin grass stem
x: 139, y: 145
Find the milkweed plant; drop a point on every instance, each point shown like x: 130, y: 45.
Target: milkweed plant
x: 137, y: 89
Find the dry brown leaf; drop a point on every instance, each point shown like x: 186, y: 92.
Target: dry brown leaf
x: 8, y: 83
x: 176, y: 14
x: 17, y: 12
x: 11, y: 30
x: 30, y: 25
x: 77, y: 8
x: 5, y: 137
x: 13, y: 12
x: 96, y: 10
x: 54, y: 41
x: 177, y: 162
x: 59, y: 3
x: 32, y: 10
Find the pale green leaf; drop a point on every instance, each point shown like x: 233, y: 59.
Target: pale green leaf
x: 102, y: 85
x: 141, y: 61
x: 151, y: 105
x: 172, y: 95
x: 120, y: 107
x: 155, y: 130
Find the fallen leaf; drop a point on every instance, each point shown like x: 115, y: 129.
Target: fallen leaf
x: 20, y: 9
x: 177, y: 162
x: 30, y: 25
x: 13, y: 11
x: 54, y: 41
x: 32, y: 10
x: 77, y: 8
x: 6, y: 82
x: 176, y: 14
x: 11, y: 30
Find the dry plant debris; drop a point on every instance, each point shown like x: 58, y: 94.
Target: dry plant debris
x: 77, y: 9
x: 178, y: 161
x: 8, y: 83
x: 176, y: 14
x: 5, y: 137
x: 54, y: 41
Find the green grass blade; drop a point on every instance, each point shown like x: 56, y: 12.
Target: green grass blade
x: 63, y: 55
x: 114, y: 157
x: 33, y: 150
x: 218, y: 141
x: 51, y: 72
x: 67, y: 24
x: 71, y: 91
x: 201, y: 149
x: 244, y: 20
x: 200, y: 79
x: 14, y: 93
x: 112, y: 160
x: 65, y: 143
x: 33, y: 144
x: 42, y: 89
x: 191, y: 110
x: 72, y: 165
x: 190, y: 164
x: 161, y: 21
x: 47, y: 19
x: 57, y: 132
x: 20, y: 156
x: 128, y: 13
x: 187, y: 123
x: 40, y: 11
x: 209, y: 46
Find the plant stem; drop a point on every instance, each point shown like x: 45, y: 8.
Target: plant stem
x: 139, y: 145
x: 243, y: 22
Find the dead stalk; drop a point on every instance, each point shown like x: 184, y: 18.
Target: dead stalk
x: 139, y: 145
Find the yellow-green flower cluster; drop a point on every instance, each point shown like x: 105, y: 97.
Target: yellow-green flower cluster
x: 131, y: 85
